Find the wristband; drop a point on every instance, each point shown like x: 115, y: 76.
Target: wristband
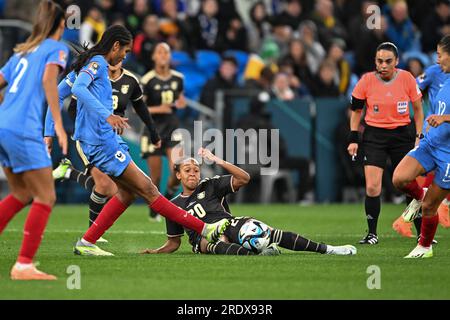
x: 353, y: 137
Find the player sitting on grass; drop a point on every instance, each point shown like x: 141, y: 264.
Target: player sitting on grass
x: 206, y: 200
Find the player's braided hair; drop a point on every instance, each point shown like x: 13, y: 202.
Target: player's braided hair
x: 111, y: 35
x: 389, y: 46
x: 444, y: 43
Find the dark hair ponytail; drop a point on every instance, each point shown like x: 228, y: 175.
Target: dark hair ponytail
x: 389, y: 46
x: 444, y: 43
x: 111, y: 35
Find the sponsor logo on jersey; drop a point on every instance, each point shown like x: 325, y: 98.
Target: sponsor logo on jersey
x: 62, y: 56
x: 124, y: 89
x: 157, y: 87
x: 174, y: 85
x: 201, y: 195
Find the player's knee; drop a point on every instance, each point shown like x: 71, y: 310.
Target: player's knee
x: 398, y: 180
x: 48, y: 198
x: 22, y: 195
x: 373, y: 190
x: 106, y: 187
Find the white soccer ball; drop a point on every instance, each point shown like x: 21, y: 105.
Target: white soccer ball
x: 254, y: 235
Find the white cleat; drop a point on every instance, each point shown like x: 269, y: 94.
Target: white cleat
x: 420, y: 252
x: 412, y: 210
x: 346, y: 250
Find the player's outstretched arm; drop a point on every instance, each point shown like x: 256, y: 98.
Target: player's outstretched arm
x: 240, y: 177
x: 172, y: 244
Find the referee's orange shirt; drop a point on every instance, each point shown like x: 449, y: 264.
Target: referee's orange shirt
x: 387, y: 102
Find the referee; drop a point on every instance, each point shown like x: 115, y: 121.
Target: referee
x: 386, y: 93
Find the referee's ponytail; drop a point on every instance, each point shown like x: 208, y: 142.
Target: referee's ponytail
x: 389, y: 46
x: 444, y: 43
x: 111, y: 35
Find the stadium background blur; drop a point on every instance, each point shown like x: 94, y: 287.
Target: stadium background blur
x: 307, y: 55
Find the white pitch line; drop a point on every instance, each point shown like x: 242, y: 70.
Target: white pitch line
x: 83, y: 231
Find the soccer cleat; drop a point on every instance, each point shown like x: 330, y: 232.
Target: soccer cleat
x: 413, y: 208
x: 102, y: 240
x: 402, y: 227
x: 31, y: 273
x: 59, y: 173
x: 346, y: 250
x: 89, y: 250
x: 443, y: 212
x: 420, y: 252
x: 156, y: 218
x: 271, y: 250
x: 369, y: 239
x: 213, y: 231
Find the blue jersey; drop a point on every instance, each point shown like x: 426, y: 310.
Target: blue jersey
x: 440, y: 137
x: 22, y: 111
x: 93, y: 90
x: 433, y: 78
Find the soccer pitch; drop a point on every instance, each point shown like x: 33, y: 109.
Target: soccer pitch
x: 184, y: 275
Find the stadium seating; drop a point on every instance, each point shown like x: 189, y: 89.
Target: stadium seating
x: 208, y: 62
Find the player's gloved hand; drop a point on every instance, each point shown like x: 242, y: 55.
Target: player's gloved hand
x: 62, y: 137
x: 118, y: 122
x: 49, y: 143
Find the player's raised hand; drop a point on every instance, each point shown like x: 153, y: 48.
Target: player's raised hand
x: 208, y: 155
x: 435, y: 120
x: 62, y: 137
x: 118, y: 123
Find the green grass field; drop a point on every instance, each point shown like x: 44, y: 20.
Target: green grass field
x: 183, y: 275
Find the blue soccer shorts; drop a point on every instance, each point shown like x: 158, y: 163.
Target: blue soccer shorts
x: 22, y: 153
x: 432, y: 158
x: 111, y: 158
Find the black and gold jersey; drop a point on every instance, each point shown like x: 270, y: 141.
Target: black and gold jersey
x: 208, y: 203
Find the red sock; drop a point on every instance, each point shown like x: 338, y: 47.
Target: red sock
x: 167, y: 209
x: 109, y: 214
x: 428, y: 180
x: 414, y: 190
x: 428, y: 230
x: 8, y: 209
x: 33, y: 231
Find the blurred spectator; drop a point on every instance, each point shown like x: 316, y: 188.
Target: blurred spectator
x: 227, y: 11
x: 314, y: 50
x: 401, y: 30
x: 20, y: 9
x: 263, y: 82
x: 415, y: 66
x: 157, y: 6
x: 270, y: 53
x: 171, y: 25
x: 92, y: 28
x: 295, y: 83
x: 366, y: 47
x: 145, y: 42
x: 343, y: 74
x: 292, y: 15
x: 225, y: 79
x: 328, y: 27
x: 297, y: 58
x: 345, y: 10
x: 358, y: 24
x: 135, y: 19
x: 281, y: 34
x: 107, y: 7
x: 281, y: 88
x: 236, y: 35
x: 323, y: 84
x: 204, y: 28
x: 436, y: 25
x: 258, y: 27
x: 419, y: 10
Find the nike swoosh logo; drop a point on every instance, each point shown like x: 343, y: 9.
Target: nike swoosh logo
x: 190, y: 204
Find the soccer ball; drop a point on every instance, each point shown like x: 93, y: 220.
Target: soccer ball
x: 254, y: 235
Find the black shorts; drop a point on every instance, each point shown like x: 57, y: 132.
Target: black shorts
x: 166, y: 128
x: 231, y: 232
x: 378, y: 144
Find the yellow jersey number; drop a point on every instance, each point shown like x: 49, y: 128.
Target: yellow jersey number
x: 115, y: 102
x: 167, y: 97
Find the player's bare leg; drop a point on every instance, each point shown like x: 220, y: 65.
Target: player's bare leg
x: 154, y: 163
x: 39, y: 183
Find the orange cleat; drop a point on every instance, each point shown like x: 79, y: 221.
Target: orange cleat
x: 444, y: 219
x: 402, y: 227
x: 30, y: 273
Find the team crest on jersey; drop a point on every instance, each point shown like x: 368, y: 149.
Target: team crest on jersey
x: 402, y: 107
x: 93, y: 67
x: 201, y: 195
x: 174, y: 85
x: 124, y: 89
x: 157, y: 87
